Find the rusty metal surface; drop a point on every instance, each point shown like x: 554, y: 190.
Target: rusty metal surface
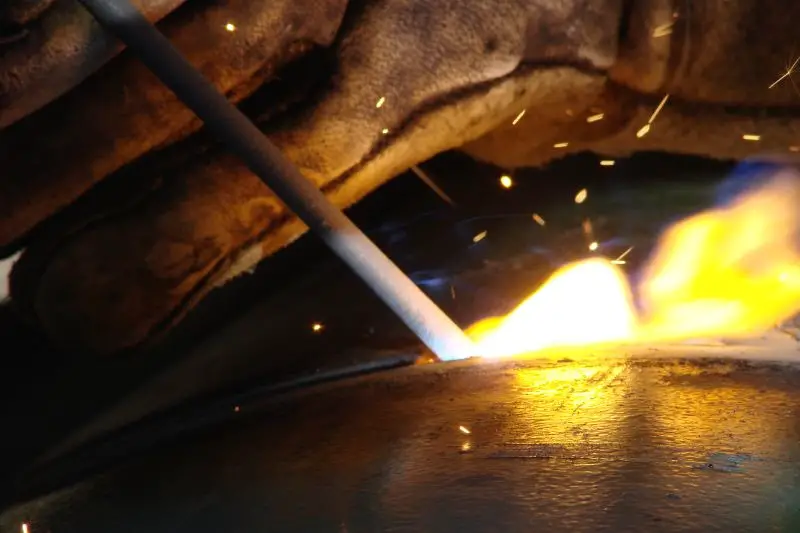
x: 589, y: 445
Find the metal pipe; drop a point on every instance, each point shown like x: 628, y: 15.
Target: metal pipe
x: 419, y: 313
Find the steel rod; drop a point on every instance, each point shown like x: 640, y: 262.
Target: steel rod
x: 420, y: 314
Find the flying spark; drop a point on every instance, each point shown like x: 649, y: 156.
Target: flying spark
x: 581, y: 196
x: 480, y: 236
x: 618, y: 262
x: 643, y: 131
x: 385, y: 131
x: 623, y: 254
x: 659, y: 108
x: 607, y: 163
x: 230, y: 27
x: 560, y: 145
x: 519, y: 117
x: 427, y: 180
x: 380, y: 102
x: 595, y: 118
x: 593, y: 246
x: 316, y: 327
x: 539, y: 220
x: 789, y: 72
x: 464, y: 430
x: 506, y: 181
x: 24, y: 528
x: 751, y: 137
x: 663, y: 30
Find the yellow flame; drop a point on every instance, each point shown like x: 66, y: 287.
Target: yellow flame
x: 591, y: 293
x: 732, y: 272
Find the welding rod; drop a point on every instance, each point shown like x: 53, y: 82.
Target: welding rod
x: 223, y: 119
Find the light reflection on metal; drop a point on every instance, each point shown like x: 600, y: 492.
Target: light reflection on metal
x: 519, y: 117
x: 506, y: 181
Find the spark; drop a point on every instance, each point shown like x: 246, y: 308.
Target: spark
x: 643, y: 131
x: 581, y: 196
x: 539, y: 220
x: 663, y: 30
x: 316, y: 327
x: 595, y: 118
x: 385, y: 131
x: 751, y: 137
x: 380, y: 102
x: 506, y: 181
x: 618, y: 262
x: 427, y: 180
x: 519, y: 117
x: 789, y: 72
x: 466, y: 447
x: 560, y: 145
x: 593, y: 246
x: 464, y: 430
x: 659, y: 108
x: 24, y: 527
x: 236, y: 409
x: 623, y: 254
x: 607, y: 163
x: 587, y: 227
x: 480, y: 236
x: 230, y: 27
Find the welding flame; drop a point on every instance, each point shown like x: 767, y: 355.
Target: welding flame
x: 732, y: 271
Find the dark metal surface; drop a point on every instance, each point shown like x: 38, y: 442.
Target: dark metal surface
x: 593, y: 445
x: 241, y: 136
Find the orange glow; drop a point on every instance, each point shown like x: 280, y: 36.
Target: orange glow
x: 727, y: 272
x: 583, y: 303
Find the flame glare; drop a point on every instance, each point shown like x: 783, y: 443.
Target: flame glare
x: 732, y: 271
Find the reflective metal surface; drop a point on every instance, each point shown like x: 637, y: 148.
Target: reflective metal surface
x: 594, y: 445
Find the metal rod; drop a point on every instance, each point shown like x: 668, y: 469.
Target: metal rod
x: 223, y: 119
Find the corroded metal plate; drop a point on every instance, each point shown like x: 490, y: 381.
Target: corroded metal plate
x: 590, y: 445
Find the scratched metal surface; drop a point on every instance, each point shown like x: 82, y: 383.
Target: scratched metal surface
x: 593, y: 445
